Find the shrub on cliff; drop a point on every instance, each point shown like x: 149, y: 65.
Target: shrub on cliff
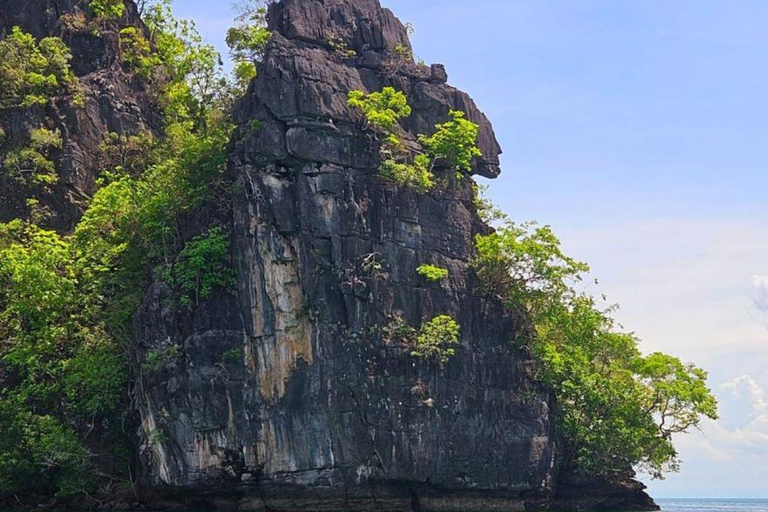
x: 437, y: 339
x: 454, y: 143
x: 107, y: 9
x: 32, y: 72
x: 66, y: 302
x: 615, y: 408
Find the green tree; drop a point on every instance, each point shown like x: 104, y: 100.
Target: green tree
x: 615, y: 407
x: 33, y: 72
x: 454, y: 142
x: 432, y: 273
x: 381, y: 110
x: 248, y: 39
x: 202, y: 266
x: 437, y: 339
x: 107, y: 9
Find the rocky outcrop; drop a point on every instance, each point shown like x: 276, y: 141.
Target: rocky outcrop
x: 288, y: 394
x: 112, y: 102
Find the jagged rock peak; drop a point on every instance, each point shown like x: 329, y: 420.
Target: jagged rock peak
x: 322, y: 49
x: 362, y: 24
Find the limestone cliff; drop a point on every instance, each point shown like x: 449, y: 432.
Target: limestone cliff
x: 287, y: 392
x: 319, y: 408
x: 113, y: 102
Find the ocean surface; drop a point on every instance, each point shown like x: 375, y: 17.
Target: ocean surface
x: 713, y: 505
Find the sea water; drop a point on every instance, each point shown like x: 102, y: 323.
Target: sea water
x: 713, y: 505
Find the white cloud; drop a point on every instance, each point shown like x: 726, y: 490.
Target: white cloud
x: 760, y: 282
x: 688, y: 287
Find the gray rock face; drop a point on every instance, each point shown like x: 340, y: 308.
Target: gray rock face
x: 113, y: 102
x: 287, y: 393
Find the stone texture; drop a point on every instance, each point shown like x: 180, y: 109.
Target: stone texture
x: 319, y: 411
x: 114, y: 102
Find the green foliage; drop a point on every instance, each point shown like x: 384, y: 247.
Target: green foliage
x: 202, y: 266
x: 416, y: 175
x: 192, y: 86
x: 340, y: 48
x: 382, y: 110
x: 232, y: 355
x: 399, y: 331
x: 615, y: 407
x: 137, y: 52
x: 37, y: 452
x: 32, y: 165
x: 159, y: 359
x: 248, y: 40
x: 31, y: 73
x: 52, y: 339
x: 454, y: 142
x: 66, y: 303
x: 525, y: 265
x: 437, y: 338
x: 432, y: 273
x: 107, y: 9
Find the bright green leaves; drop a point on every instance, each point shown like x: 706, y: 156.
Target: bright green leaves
x: 107, y: 9
x: 53, y: 341
x: 525, y: 265
x: 248, y: 40
x: 382, y: 110
x: 137, y: 52
x: 33, y: 165
x: 615, y: 408
x: 31, y: 73
x: 202, y: 266
x: 416, y: 175
x: 454, y: 142
x: 432, y: 273
x: 437, y: 339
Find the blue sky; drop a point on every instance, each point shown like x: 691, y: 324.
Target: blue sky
x: 639, y: 131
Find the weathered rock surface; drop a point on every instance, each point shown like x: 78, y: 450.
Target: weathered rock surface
x: 318, y: 411
x: 286, y: 393
x: 113, y: 102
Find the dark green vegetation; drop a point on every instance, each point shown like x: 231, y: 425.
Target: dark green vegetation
x: 615, y: 407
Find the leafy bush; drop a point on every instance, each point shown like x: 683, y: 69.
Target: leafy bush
x: 454, y: 141
x: 32, y: 165
x: 248, y: 40
x: 340, y: 48
x: 382, y: 110
x: 39, y: 451
x: 416, y: 175
x: 437, y: 338
x: 30, y: 72
x: 432, y: 273
x: 615, y: 407
x: 399, y: 331
x: 137, y: 52
x: 202, y: 266
x: 158, y: 359
x: 107, y: 9
x: 54, y: 342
